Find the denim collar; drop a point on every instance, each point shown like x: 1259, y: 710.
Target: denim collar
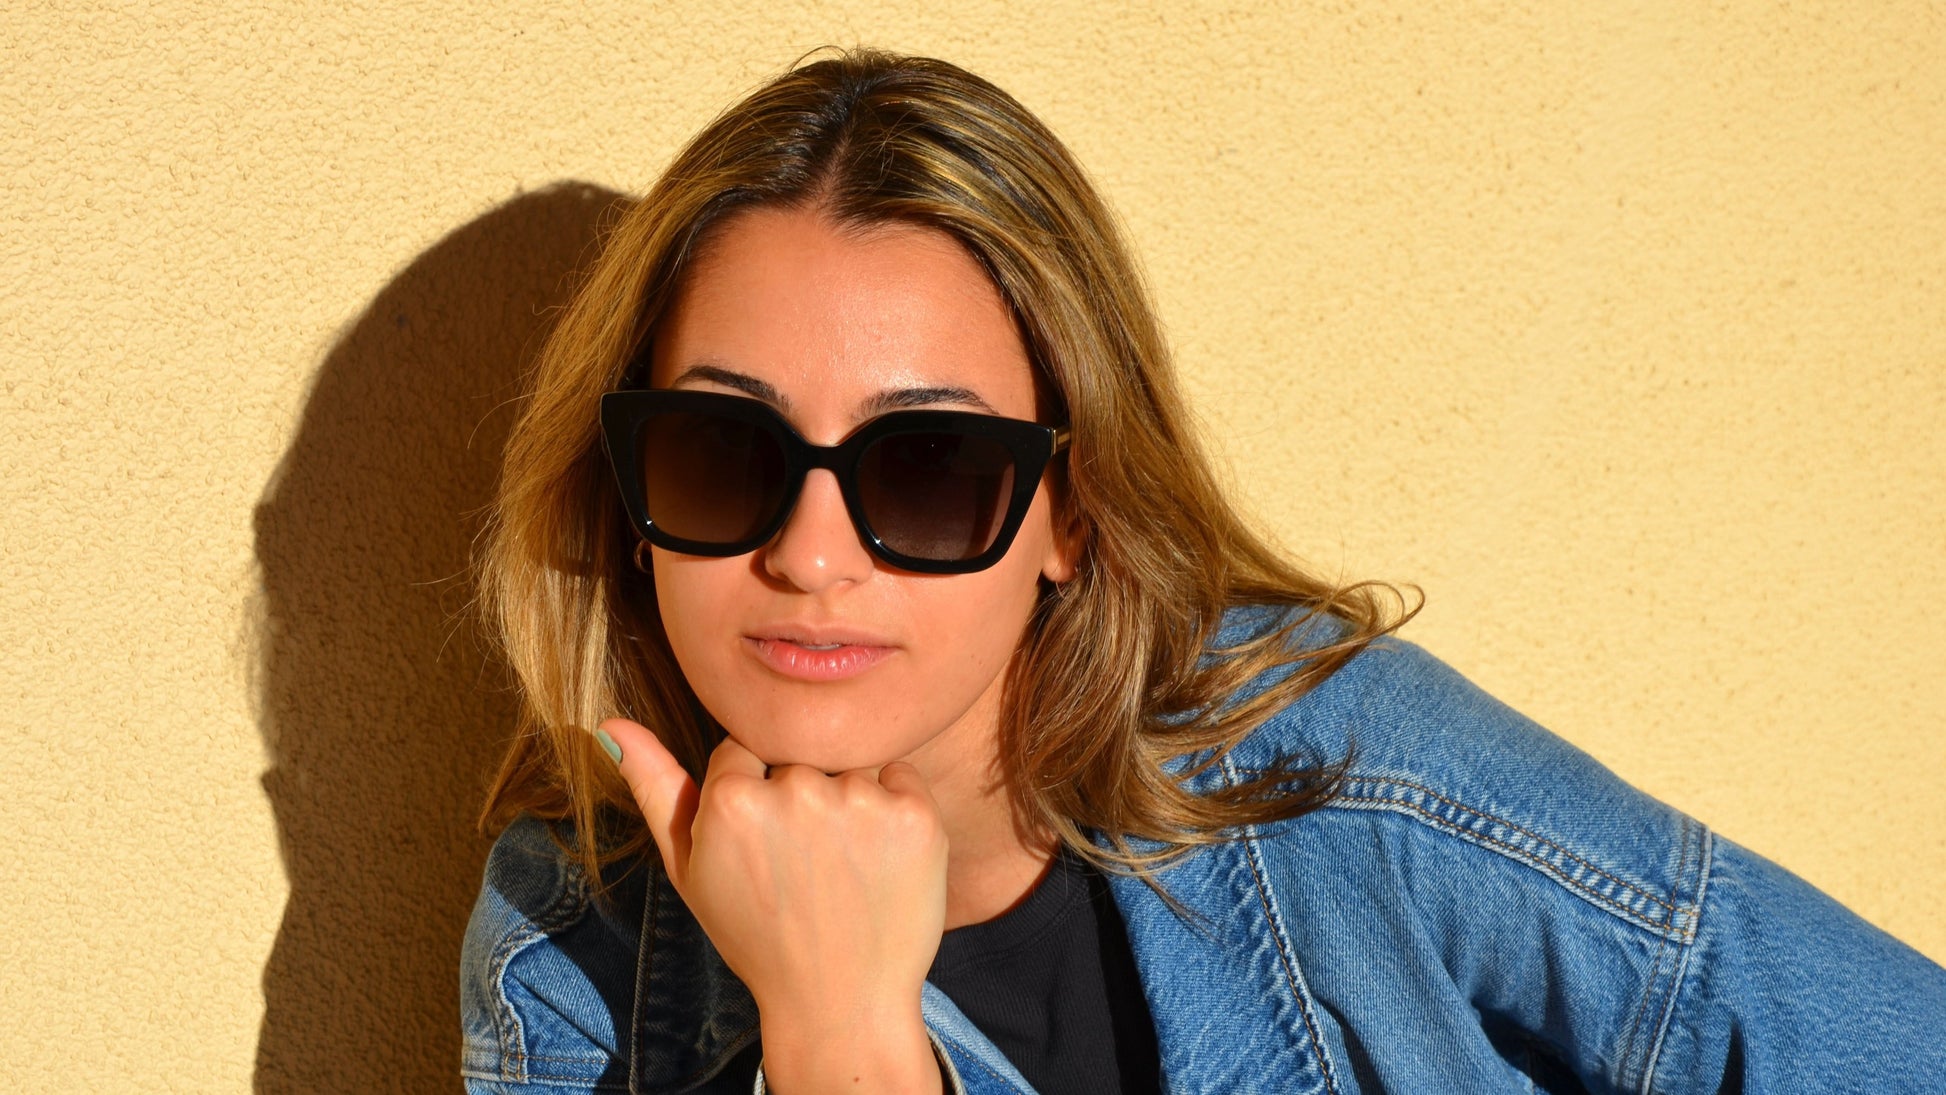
x: 688, y: 1005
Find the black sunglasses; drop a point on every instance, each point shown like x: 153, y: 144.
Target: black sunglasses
x: 938, y: 492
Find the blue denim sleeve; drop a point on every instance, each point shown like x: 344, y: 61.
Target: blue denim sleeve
x: 1786, y: 990
x: 1517, y: 906
x: 545, y: 980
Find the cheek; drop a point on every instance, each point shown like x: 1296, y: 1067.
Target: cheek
x: 989, y: 621
x: 974, y: 622
x: 685, y: 589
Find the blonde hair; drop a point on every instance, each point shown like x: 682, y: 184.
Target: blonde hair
x: 1110, y: 683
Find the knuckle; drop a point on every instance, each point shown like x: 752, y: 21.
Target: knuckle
x: 913, y: 819
x: 796, y: 781
x: 804, y: 791
x: 733, y: 799
x: 857, y: 790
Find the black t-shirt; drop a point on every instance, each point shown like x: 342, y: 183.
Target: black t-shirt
x: 1052, y: 982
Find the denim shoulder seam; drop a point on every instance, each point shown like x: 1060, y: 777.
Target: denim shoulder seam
x: 1652, y: 1054
x: 568, y: 905
x: 1666, y: 916
x: 1626, y: 1061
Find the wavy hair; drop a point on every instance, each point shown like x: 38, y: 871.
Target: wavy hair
x: 1114, y: 696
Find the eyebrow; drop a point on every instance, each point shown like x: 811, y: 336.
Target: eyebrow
x: 729, y: 378
x: 889, y: 400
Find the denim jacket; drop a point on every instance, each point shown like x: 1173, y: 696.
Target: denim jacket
x: 1484, y: 908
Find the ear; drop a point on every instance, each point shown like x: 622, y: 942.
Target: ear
x: 1065, y: 546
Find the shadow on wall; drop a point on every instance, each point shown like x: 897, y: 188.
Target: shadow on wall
x: 383, y: 712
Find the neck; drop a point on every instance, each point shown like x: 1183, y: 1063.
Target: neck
x: 993, y: 860
x: 991, y: 864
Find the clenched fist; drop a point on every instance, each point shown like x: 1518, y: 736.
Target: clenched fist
x: 825, y: 894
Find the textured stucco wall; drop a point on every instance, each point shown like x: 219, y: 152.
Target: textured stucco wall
x: 1620, y: 327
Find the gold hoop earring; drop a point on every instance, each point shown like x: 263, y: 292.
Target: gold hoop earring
x: 640, y: 564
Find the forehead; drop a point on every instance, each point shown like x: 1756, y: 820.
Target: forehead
x: 832, y: 315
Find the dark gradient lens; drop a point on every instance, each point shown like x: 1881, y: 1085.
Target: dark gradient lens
x: 937, y: 496
x: 710, y: 477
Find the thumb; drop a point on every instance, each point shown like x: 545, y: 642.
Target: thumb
x: 901, y: 778
x: 663, y: 791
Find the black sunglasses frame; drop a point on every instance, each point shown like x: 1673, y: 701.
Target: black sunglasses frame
x: 623, y: 413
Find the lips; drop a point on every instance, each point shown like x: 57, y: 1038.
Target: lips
x: 817, y: 653
x: 817, y: 635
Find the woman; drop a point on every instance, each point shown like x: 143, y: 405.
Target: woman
x: 991, y: 752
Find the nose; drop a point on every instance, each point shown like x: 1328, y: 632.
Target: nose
x: 818, y: 548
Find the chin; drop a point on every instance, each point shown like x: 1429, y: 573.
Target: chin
x: 824, y: 758
x: 830, y: 743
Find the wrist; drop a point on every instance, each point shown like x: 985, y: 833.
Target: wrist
x: 838, y: 1049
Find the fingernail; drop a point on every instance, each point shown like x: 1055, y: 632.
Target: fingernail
x: 608, y: 745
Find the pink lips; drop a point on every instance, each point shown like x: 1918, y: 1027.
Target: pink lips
x: 814, y: 657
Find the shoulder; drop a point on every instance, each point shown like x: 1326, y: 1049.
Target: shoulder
x: 1429, y: 748
x: 1509, y: 889
x: 546, y: 974
x: 1504, y: 885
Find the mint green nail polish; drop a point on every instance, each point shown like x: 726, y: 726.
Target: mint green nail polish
x: 608, y: 746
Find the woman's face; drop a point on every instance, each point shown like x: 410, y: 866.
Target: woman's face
x: 824, y: 323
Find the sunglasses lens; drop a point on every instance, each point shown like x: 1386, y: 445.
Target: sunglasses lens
x: 936, y: 495
x: 710, y: 478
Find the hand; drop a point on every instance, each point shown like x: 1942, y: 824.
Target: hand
x: 825, y: 894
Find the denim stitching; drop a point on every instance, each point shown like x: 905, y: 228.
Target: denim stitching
x: 1686, y: 933
x: 1382, y: 781
x: 567, y: 905
x: 545, y: 1057
x: 579, y: 1083
x: 1706, y: 848
x: 1317, y: 1047
x: 958, y: 1086
x: 557, y: 917
x: 975, y: 1058
x: 1536, y: 837
x: 572, y: 1083
x: 576, y: 1082
x: 1681, y: 925
x: 1641, y: 1008
x: 1655, y: 969
x: 1648, y: 993
x: 1680, y: 919
x: 1283, y: 956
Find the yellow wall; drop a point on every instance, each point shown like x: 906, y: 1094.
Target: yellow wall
x: 1619, y: 327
